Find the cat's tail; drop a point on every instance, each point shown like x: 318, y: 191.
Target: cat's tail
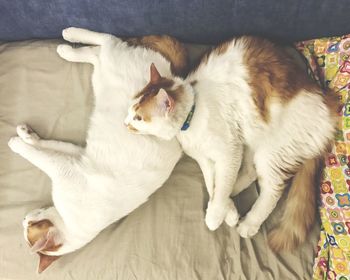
x: 300, y: 209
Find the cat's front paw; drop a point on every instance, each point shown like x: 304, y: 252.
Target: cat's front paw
x: 218, y: 212
x: 69, y: 34
x: 247, y: 228
x: 232, y: 217
x: 16, y: 144
x: 27, y: 134
x: 64, y: 51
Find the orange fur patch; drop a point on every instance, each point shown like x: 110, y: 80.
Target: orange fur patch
x: 273, y: 73
x: 222, y: 48
x: 148, y: 103
x: 300, y: 211
x: 169, y: 47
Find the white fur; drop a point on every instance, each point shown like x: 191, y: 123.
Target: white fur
x: 226, y: 119
x: 117, y: 171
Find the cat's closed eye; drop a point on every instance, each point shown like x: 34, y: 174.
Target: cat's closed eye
x: 137, y: 118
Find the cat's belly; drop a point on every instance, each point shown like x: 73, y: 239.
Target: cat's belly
x: 120, y: 169
x: 106, y: 198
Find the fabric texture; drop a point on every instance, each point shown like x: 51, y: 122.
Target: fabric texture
x: 197, y: 21
x: 165, y: 238
x: 329, y: 60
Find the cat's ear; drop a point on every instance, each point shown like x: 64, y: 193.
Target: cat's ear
x: 154, y: 76
x: 46, y: 242
x: 164, y: 101
x: 45, y: 261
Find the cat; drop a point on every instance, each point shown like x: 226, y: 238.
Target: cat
x: 96, y: 185
x: 247, y: 92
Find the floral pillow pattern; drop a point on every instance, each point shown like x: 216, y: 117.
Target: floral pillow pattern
x: 329, y: 65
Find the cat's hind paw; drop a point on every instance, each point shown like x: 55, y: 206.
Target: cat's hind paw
x: 69, y: 34
x: 27, y: 134
x: 65, y: 51
x: 247, y: 229
x: 16, y: 144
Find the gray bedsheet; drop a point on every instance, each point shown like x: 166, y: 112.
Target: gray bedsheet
x: 165, y: 238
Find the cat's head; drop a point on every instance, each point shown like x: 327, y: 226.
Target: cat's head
x: 43, y: 237
x: 161, y: 107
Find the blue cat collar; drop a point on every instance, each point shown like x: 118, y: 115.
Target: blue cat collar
x: 187, y: 122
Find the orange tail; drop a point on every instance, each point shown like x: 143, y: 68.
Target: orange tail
x: 300, y: 211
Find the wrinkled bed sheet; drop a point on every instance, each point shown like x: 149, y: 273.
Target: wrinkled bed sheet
x: 165, y: 238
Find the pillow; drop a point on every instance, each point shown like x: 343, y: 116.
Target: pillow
x: 329, y: 64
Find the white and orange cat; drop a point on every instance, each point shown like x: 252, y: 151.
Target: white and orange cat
x: 96, y: 185
x: 248, y: 93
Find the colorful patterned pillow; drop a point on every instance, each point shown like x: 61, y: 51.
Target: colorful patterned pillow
x: 329, y: 63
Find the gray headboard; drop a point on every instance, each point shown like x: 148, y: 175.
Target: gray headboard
x: 200, y: 21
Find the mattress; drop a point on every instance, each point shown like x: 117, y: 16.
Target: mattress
x: 165, y: 238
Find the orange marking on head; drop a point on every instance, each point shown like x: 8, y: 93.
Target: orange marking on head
x: 148, y: 105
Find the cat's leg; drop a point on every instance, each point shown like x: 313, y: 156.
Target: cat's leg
x: 30, y: 137
x: 247, y: 173
x: 207, y: 167
x: 51, y: 162
x: 272, y: 184
x: 84, y: 36
x: 82, y: 54
x: 221, y: 205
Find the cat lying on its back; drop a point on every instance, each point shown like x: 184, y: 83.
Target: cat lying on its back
x: 95, y: 186
x: 246, y: 92
x: 116, y: 172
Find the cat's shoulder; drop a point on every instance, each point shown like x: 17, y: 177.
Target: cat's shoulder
x: 249, y: 46
x: 241, y: 47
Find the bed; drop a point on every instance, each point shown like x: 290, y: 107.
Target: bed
x: 166, y: 238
